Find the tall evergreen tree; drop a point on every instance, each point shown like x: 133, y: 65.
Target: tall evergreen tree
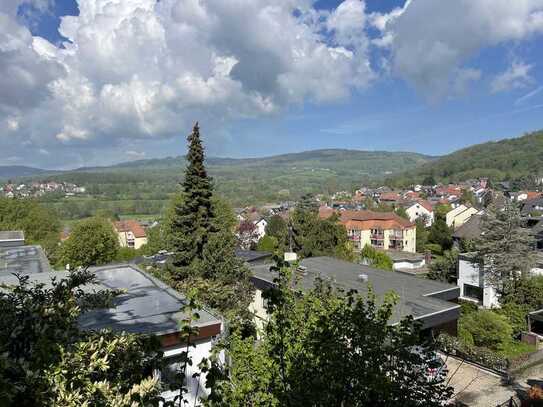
x: 505, y: 248
x: 193, y: 216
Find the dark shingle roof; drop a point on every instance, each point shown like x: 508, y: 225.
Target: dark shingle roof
x: 471, y: 229
x: 23, y: 260
x: 419, y: 297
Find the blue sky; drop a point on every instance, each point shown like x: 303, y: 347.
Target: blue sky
x: 411, y: 94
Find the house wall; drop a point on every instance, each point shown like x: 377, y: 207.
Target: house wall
x: 408, y: 264
x: 363, y: 238
x: 261, y: 228
x: 410, y: 240
x: 258, y: 309
x: 418, y: 211
x: 471, y: 274
x: 124, y: 237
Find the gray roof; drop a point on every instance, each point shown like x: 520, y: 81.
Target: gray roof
x: 531, y: 205
x: 148, y: 306
x: 23, y: 260
x: 252, y: 255
x: 419, y: 297
x: 471, y: 229
x: 12, y: 235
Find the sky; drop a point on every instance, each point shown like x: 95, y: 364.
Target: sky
x: 96, y: 82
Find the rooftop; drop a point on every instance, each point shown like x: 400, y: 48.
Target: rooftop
x: 252, y: 255
x: 421, y: 298
x: 12, y: 235
x: 130, y: 225
x: 471, y: 229
x: 374, y: 220
x: 23, y: 260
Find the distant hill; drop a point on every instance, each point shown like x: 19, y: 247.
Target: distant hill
x: 498, y: 160
x: 247, y: 180
x: 15, y: 171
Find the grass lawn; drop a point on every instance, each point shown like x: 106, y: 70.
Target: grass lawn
x: 516, y: 348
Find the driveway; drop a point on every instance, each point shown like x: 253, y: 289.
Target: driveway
x: 476, y: 387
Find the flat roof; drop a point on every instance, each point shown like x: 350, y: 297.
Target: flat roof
x: 148, y: 306
x: 11, y: 235
x: 23, y: 260
x: 419, y: 297
x: 252, y: 255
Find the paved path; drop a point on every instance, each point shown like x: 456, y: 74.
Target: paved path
x: 476, y: 387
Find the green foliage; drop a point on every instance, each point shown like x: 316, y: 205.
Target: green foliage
x: 422, y: 235
x: 192, y: 222
x: 440, y: 211
x: 277, y: 227
x: 467, y: 307
x: 92, y: 242
x: 443, y: 268
x: 501, y: 160
x: 429, y: 180
x: 400, y: 211
x: 327, y: 348
x: 267, y: 244
x: 516, y: 314
x: 39, y: 224
x: 483, y: 356
x: 488, y: 329
x: 505, y: 248
x: 308, y: 203
x: 528, y: 291
x: 468, y: 198
x: 440, y: 234
x: 46, y: 360
x: 376, y: 258
x: 313, y: 236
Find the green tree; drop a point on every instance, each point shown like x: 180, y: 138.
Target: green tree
x: 46, y: 360
x: 400, y: 211
x: 429, y: 180
x: 267, y: 244
x: 440, y: 234
x: 327, y: 347
x: 468, y: 197
x: 277, y: 227
x: 422, y: 235
x: 39, y: 223
x: 488, y: 329
x: 376, y: 258
x: 443, y: 268
x: 308, y: 203
x: 505, y: 248
x: 92, y: 242
x: 192, y: 221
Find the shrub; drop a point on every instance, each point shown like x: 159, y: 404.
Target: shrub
x: 487, y: 328
x: 376, y: 258
x: 485, y: 357
x: 516, y: 315
x: 467, y: 307
x: 267, y: 244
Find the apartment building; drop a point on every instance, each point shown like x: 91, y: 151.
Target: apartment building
x: 131, y: 233
x: 381, y: 230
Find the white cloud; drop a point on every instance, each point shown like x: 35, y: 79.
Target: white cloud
x: 147, y: 69
x: 135, y: 155
x: 515, y: 77
x: 431, y: 40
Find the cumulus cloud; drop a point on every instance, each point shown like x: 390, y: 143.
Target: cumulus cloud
x: 431, y: 40
x: 147, y: 69
x: 515, y: 77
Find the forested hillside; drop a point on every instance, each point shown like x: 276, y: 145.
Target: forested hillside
x: 143, y: 187
x: 507, y: 159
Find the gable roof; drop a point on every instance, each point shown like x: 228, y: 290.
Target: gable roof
x: 130, y: 225
x: 364, y: 220
x: 471, y: 229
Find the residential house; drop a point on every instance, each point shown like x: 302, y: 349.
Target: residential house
x: 145, y: 306
x: 131, y: 234
x: 382, y: 230
x: 430, y: 302
x: 390, y: 198
x: 420, y: 209
x: 470, y: 230
x: 260, y: 226
x: 407, y: 261
x: 526, y: 195
x: 473, y: 284
x: 459, y: 215
x: 533, y: 207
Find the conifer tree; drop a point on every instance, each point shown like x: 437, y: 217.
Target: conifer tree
x: 193, y: 216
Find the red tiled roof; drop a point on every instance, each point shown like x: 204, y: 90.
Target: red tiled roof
x: 426, y: 205
x: 389, y: 196
x: 364, y: 220
x: 325, y: 212
x: 533, y: 194
x: 130, y: 225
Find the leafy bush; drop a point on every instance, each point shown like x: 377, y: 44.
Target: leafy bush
x: 376, y: 258
x: 488, y: 329
x: 467, y: 307
x: 516, y: 314
x: 485, y: 357
x: 267, y: 244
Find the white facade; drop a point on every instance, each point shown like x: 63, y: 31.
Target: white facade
x: 195, y: 385
x: 417, y: 211
x: 261, y: 228
x: 472, y: 285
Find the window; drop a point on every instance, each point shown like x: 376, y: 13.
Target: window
x: 474, y: 292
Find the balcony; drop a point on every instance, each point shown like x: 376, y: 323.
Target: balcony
x: 354, y: 238
x: 378, y: 236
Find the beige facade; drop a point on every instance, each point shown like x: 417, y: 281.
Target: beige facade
x: 459, y: 215
x: 127, y: 239
x: 131, y: 234
x: 386, y: 239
